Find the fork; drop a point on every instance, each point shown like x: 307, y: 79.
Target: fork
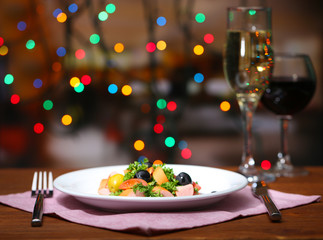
x: 40, y: 193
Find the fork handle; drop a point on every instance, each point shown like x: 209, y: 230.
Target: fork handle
x: 273, y: 212
x: 37, y: 217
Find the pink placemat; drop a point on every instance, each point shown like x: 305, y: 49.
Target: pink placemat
x: 238, y: 204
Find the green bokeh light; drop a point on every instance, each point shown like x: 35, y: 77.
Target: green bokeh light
x: 48, y: 104
x: 94, y: 38
x: 200, y: 17
x: 110, y: 8
x: 30, y: 44
x: 170, y: 142
x: 161, y: 103
x: 79, y: 88
x: 8, y: 79
x: 252, y: 12
x: 103, y: 16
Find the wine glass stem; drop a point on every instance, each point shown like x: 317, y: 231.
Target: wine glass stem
x: 283, y: 156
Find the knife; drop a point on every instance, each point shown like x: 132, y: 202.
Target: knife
x: 260, y: 190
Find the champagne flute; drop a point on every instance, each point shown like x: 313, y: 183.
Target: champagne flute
x: 248, y: 63
x: 290, y: 90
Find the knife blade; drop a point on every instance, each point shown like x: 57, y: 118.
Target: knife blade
x: 260, y: 190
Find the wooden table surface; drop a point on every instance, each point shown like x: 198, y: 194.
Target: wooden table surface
x: 304, y: 222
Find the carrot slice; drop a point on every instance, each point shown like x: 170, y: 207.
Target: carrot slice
x: 160, y: 176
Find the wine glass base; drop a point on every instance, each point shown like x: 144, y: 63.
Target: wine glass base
x: 254, y: 175
x: 290, y: 172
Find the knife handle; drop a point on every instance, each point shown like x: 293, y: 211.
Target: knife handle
x: 37, y: 217
x: 273, y: 212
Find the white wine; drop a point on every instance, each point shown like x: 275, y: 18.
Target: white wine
x: 248, y: 62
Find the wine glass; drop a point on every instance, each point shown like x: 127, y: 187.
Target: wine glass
x: 290, y: 90
x: 248, y: 63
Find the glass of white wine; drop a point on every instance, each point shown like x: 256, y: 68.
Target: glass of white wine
x: 248, y: 65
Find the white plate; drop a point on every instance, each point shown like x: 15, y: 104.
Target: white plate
x: 216, y: 184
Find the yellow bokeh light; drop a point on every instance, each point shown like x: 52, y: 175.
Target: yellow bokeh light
x: 4, y: 50
x: 225, y: 106
x: 119, y: 47
x: 198, y: 49
x: 74, y: 82
x: 139, y: 145
x: 62, y: 17
x: 67, y: 119
x: 126, y: 90
x: 161, y: 45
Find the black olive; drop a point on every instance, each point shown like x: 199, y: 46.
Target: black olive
x: 143, y: 174
x: 183, y: 179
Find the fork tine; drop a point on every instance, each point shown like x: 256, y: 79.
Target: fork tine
x: 45, y: 182
x: 40, y: 181
x: 34, y: 185
x: 50, y: 183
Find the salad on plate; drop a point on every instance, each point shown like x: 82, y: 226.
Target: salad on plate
x: 146, y: 179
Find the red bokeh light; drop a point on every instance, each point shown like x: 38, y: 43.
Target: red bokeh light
x: 15, y: 99
x: 265, y: 164
x: 38, y: 128
x: 158, y: 128
x: 186, y: 153
x: 150, y: 47
x: 86, y: 79
x: 208, y: 38
x: 171, y: 106
x: 80, y: 54
x: 1, y: 41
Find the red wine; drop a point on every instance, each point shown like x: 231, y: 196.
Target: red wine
x: 287, y: 97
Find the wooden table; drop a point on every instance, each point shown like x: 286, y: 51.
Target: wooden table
x: 304, y: 222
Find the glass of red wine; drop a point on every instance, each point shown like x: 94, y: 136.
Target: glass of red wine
x: 290, y: 90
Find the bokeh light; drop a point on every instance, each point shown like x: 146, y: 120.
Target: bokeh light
x: 252, y: 12
x: 145, y: 108
x: 94, y: 38
x: 61, y: 17
x: 161, y: 119
x: 208, y: 38
x: 48, y: 105
x: 38, y: 128
x: 182, y: 144
x: 200, y: 17
x: 198, y: 77
x: 21, y: 26
x: 103, y: 16
x: 80, y: 54
x: 161, y: 45
x: 161, y: 103
x: 74, y: 81
x: 112, y: 88
x: 225, y: 106
x: 265, y: 164
x: 118, y: 47
x: 161, y: 21
x: 86, y: 79
x: 66, y: 120
x: 170, y: 142
x: 171, y: 106
x: 56, y: 12
x: 73, y: 7
x: 38, y: 83
x: 79, y: 88
x: 151, y: 47
x: 30, y: 44
x: 56, y: 66
x: 110, y: 8
x: 61, y: 51
x: 1, y: 41
x: 186, y: 153
x: 15, y: 99
x: 139, y: 145
x: 198, y: 49
x: 126, y: 90
x: 4, y: 50
x: 8, y: 79
x: 158, y: 128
